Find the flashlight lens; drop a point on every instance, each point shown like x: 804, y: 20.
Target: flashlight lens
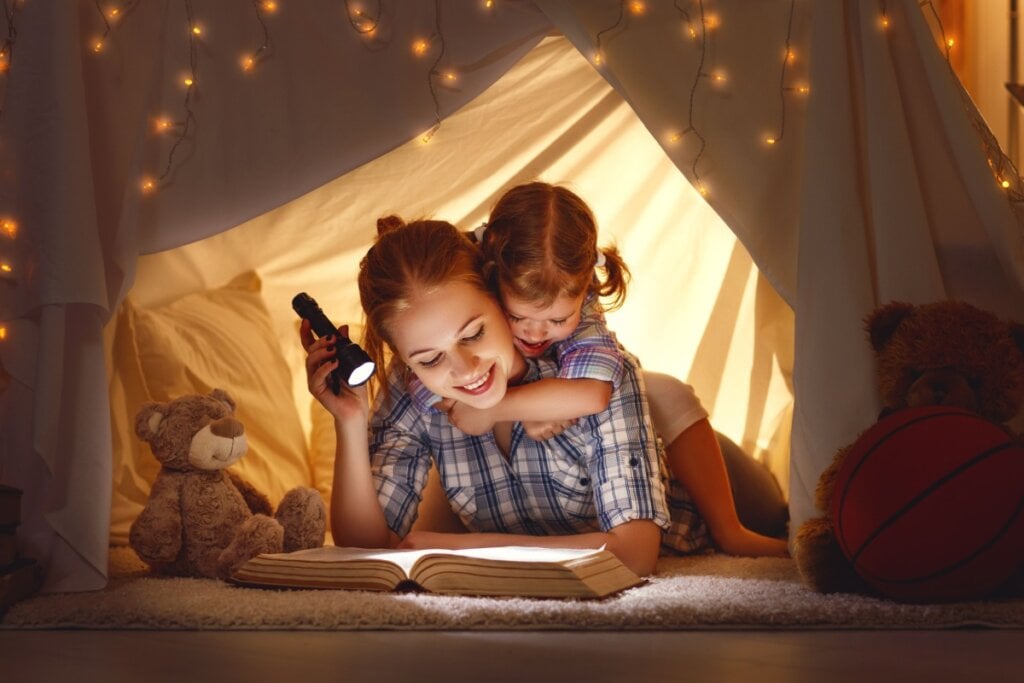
x: 360, y: 374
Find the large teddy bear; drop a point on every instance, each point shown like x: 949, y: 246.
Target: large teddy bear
x: 201, y: 519
x: 947, y: 353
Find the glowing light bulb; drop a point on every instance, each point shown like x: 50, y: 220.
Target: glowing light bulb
x: 489, y: 4
x: 803, y: 89
x: 9, y: 227
x: 598, y: 58
x: 691, y: 31
x: 790, y: 56
x: 269, y: 6
x: 769, y: 140
x: 3, y: 332
x: 637, y: 7
x: 426, y: 137
x: 884, y: 21
x: 197, y: 30
x: 674, y: 137
x: 719, y: 77
x: 712, y: 21
x: 703, y: 189
x: 147, y: 185
x: 6, y: 268
x: 1005, y: 184
x: 113, y: 12
x: 950, y: 43
x: 450, y: 76
x: 187, y: 81
x: 248, y: 62
x: 420, y: 47
x: 97, y: 45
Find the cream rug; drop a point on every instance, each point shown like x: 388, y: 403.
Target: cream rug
x: 706, y: 592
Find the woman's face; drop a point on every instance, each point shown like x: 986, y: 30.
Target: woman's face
x: 457, y: 342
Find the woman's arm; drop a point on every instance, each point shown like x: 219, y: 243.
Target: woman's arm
x: 356, y: 515
x: 635, y: 543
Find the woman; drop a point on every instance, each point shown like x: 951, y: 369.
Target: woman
x: 598, y: 483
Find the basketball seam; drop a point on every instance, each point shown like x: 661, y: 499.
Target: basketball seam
x: 863, y: 460
x: 929, y: 491
x: 956, y: 565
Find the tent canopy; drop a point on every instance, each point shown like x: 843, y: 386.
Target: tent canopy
x: 841, y: 153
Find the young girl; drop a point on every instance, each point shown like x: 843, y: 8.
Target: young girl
x: 541, y: 256
x: 600, y: 482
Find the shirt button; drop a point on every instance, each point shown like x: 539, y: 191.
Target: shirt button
x: 633, y: 462
x: 584, y: 481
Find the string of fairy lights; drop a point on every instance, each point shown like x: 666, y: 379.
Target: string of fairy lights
x: 700, y: 24
x: 364, y: 20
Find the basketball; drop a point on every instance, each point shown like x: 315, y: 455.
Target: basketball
x: 927, y: 505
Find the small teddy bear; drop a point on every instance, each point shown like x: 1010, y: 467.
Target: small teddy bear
x: 201, y: 519
x: 947, y: 353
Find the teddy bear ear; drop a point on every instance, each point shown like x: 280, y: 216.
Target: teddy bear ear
x: 148, y: 419
x: 223, y: 397
x: 883, y: 321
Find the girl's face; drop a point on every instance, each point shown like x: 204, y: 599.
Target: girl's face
x: 457, y: 342
x: 536, y: 327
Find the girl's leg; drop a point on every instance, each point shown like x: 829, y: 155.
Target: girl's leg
x: 695, y: 460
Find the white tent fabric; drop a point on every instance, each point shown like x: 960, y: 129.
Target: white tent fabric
x: 876, y: 188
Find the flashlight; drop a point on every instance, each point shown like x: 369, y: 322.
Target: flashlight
x: 354, y: 366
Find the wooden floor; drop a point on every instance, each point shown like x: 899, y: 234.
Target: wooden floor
x: 455, y: 657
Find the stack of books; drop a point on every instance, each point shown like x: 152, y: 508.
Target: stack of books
x: 20, y: 576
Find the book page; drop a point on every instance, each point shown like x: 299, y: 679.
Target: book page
x: 521, y: 553
x: 405, y: 559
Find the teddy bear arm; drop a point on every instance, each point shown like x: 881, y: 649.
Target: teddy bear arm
x: 255, y: 500
x: 821, y: 561
x: 826, y: 482
x: 156, y: 533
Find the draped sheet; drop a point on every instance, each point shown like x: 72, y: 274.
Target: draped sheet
x: 76, y: 135
x: 882, y: 183
x: 876, y: 187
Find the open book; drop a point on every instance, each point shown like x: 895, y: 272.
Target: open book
x: 508, y: 570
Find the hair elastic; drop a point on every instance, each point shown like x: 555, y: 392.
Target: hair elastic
x: 478, y: 233
x: 600, y: 259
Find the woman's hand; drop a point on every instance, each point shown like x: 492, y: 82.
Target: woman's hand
x: 348, y: 404
x: 421, y: 540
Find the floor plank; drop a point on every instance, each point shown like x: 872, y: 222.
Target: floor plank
x: 426, y: 656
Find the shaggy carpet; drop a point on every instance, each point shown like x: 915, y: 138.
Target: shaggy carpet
x: 705, y: 592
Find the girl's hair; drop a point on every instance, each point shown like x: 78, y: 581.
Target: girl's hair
x: 541, y: 242
x: 408, y: 260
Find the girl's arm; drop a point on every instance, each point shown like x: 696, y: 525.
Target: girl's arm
x: 356, y: 516
x: 635, y: 543
x: 546, y: 402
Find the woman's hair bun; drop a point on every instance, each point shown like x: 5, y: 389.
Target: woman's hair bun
x: 389, y: 223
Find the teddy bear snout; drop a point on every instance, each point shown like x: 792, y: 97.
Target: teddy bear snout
x: 227, y: 427
x: 942, y: 387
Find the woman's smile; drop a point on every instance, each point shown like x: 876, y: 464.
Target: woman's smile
x: 456, y: 340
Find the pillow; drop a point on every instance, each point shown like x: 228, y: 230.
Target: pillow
x: 220, y: 338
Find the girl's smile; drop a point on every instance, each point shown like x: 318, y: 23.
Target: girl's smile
x: 535, y: 327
